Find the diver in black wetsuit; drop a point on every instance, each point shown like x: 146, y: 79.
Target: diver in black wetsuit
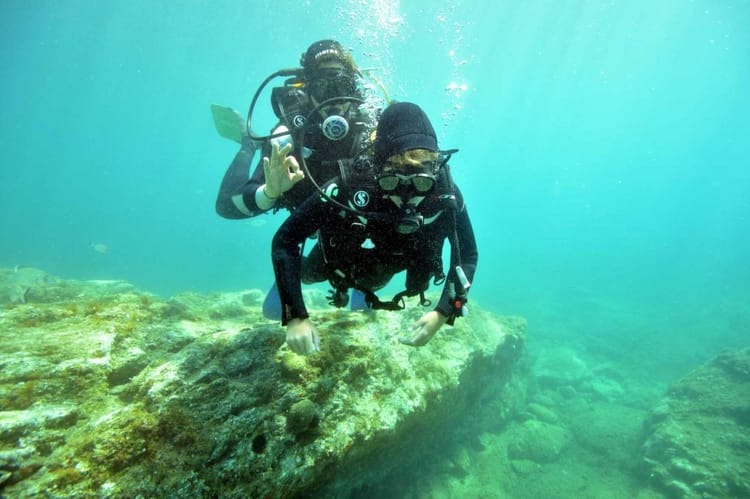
x: 391, y: 217
x: 328, y: 132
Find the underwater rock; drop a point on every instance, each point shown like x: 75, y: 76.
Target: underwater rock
x: 293, y: 366
x: 18, y: 284
x: 603, y: 388
x: 697, y: 440
x: 537, y: 441
x: 542, y: 413
x: 558, y: 368
x: 252, y: 298
x: 126, y: 366
x: 303, y: 417
x: 230, y: 305
x: 461, y: 462
x: 524, y: 466
x: 14, y: 462
x: 567, y: 392
x: 609, y: 430
x: 106, y: 391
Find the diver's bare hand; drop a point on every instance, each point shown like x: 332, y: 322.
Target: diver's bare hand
x: 302, y: 337
x: 424, y: 329
x: 281, y: 171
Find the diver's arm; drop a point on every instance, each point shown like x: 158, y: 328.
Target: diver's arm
x: 469, y: 258
x: 301, y: 334
x: 426, y: 326
x: 237, y: 193
x: 287, y: 258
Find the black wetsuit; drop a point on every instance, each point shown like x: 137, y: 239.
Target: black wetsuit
x: 367, y: 255
x: 236, y: 182
x: 322, y: 163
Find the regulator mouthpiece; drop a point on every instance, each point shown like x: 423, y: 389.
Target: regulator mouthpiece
x: 335, y: 127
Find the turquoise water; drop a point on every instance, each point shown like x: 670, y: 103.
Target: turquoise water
x: 603, y: 149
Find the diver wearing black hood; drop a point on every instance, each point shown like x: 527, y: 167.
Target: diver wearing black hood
x: 323, y: 132
x: 392, y: 217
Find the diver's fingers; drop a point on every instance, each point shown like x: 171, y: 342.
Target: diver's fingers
x: 296, y: 177
x: 293, y: 169
x: 266, y: 163
x: 416, y: 334
x: 418, y: 326
x: 315, y: 341
x: 291, y: 164
x: 297, y: 346
x: 312, y: 342
x: 308, y: 347
x: 284, y: 151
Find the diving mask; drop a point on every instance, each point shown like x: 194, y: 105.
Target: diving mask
x: 422, y: 182
x: 331, y: 82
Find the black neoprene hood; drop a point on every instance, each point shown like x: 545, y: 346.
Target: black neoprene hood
x: 403, y: 126
x: 321, y: 50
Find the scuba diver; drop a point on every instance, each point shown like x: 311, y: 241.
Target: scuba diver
x: 385, y: 217
x: 324, y: 119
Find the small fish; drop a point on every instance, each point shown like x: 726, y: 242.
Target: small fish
x: 99, y: 248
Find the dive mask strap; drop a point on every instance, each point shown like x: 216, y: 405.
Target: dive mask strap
x: 443, y: 158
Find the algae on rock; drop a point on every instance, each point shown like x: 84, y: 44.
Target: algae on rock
x: 697, y: 441
x: 108, y: 391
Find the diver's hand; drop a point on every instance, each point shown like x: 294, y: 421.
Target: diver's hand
x: 281, y: 171
x: 302, y: 337
x: 424, y: 329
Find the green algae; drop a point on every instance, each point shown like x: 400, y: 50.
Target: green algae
x: 696, y: 440
x: 199, y: 394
